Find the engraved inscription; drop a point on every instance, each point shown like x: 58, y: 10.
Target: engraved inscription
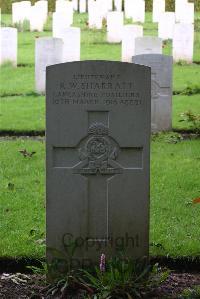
x: 98, y: 152
x: 106, y: 89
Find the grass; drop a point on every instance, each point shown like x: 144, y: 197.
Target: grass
x: 174, y: 219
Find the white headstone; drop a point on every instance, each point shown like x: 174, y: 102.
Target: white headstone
x: 48, y: 51
x: 21, y: 11
x: 95, y: 15
x: 82, y: 6
x: 179, y: 8
x: 75, y: 4
x: 43, y: 6
x: 166, y: 25
x: 139, y: 11
x: 128, y: 8
x: 8, y: 45
x: 65, y: 7
x: 115, y: 21
x: 158, y: 9
x: 187, y: 15
x: 118, y: 5
x: 183, y: 42
x: 71, y: 44
x: 37, y: 19
x: 130, y: 32
x: 60, y: 22
x: 148, y: 45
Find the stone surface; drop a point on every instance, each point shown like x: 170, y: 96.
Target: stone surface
x: 118, y: 5
x: 98, y: 135
x: 115, y: 22
x: 60, y: 23
x: 148, y: 45
x: 95, y: 14
x: 128, y: 8
x: 82, y: 6
x: 130, y: 32
x: 166, y: 25
x: 43, y: 5
x: 187, y: 14
x: 138, y: 14
x: 161, y: 89
x: 158, y: 9
x: 65, y: 8
x: 48, y: 51
x: 20, y: 11
x: 179, y: 8
x: 8, y: 45
x: 37, y: 19
x: 71, y: 44
x: 183, y: 42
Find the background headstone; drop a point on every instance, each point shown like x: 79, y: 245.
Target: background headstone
x: 187, y: 14
x: 166, y: 25
x: 8, y: 45
x: 115, y: 22
x: 60, y: 22
x: 183, y: 42
x: 37, y: 18
x: 158, y: 9
x: 148, y: 45
x: 118, y: 5
x: 82, y: 6
x: 71, y: 44
x: 97, y: 141
x: 161, y: 89
x: 130, y: 32
x: 48, y: 51
x: 179, y: 8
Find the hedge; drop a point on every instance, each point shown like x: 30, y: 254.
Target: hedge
x: 6, y: 5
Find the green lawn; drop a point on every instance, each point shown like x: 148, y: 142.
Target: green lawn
x: 175, y: 225
x: 175, y: 165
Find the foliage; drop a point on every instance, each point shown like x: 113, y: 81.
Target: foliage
x: 124, y: 278
x: 191, y: 118
x: 191, y: 293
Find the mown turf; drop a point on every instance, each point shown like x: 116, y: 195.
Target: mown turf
x: 174, y: 184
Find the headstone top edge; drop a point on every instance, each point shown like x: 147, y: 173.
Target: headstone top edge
x: 96, y: 62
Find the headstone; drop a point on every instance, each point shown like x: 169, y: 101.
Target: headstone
x: 71, y: 44
x: 130, y: 32
x: 161, y: 89
x: 128, y: 8
x: 43, y: 6
x: 95, y: 15
x: 148, y: 45
x: 48, y: 51
x: 60, y: 22
x: 37, y: 19
x: 82, y: 6
x: 158, y: 9
x: 183, y: 42
x: 115, y: 22
x: 180, y: 8
x: 20, y: 11
x: 187, y: 15
x: 166, y: 25
x: 97, y: 141
x: 75, y: 5
x: 65, y: 7
x: 8, y: 45
x: 138, y: 13
x: 118, y: 5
